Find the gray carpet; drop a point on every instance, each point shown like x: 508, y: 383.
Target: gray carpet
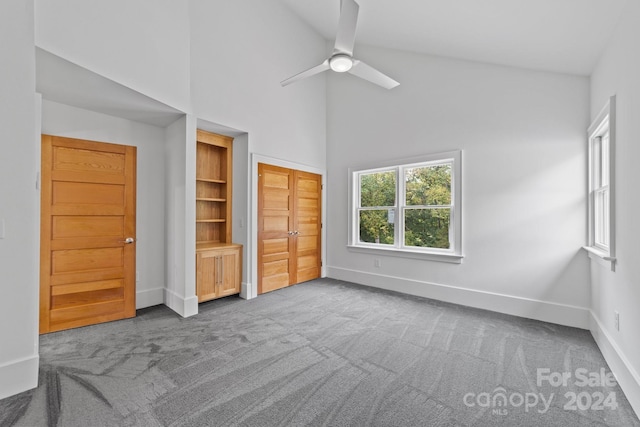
x: 323, y: 353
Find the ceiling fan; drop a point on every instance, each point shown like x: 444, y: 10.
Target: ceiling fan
x: 341, y: 60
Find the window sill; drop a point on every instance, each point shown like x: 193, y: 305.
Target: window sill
x: 600, y: 256
x: 403, y: 253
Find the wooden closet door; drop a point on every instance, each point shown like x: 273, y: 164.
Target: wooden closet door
x: 87, y: 241
x: 276, y: 250
x: 307, y: 225
x: 289, y: 227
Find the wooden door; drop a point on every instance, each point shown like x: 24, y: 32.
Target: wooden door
x: 289, y: 238
x: 307, y: 225
x: 87, y: 241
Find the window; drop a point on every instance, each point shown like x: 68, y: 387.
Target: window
x: 601, y: 167
x: 409, y: 209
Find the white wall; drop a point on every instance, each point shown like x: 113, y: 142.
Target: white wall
x: 240, y: 51
x: 522, y: 136
x: 142, y: 44
x: 63, y: 120
x: 618, y: 73
x: 19, y: 201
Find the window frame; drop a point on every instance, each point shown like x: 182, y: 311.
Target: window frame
x: 454, y: 253
x: 601, y: 177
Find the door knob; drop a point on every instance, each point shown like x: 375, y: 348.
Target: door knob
x: 129, y: 240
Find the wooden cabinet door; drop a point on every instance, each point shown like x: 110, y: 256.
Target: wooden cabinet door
x: 289, y: 227
x: 87, y: 233
x: 206, y: 275
x: 230, y: 274
x: 218, y: 272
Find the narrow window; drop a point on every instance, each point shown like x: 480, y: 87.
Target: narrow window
x: 601, y: 167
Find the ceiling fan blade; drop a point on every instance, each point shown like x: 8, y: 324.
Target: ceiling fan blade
x: 308, y: 73
x: 364, y: 71
x: 346, y: 36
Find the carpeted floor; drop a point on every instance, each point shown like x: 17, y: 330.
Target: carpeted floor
x: 323, y: 353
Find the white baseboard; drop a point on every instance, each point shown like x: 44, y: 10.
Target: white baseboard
x: 149, y: 298
x: 246, y: 291
x: 545, y: 311
x: 625, y: 374
x: 18, y: 376
x: 185, y: 307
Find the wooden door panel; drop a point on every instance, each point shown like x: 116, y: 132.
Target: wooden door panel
x: 64, y: 227
x: 87, y: 276
x: 277, y: 267
x: 73, y: 317
x: 277, y: 200
x: 305, y: 203
x: 275, y: 246
x: 275, y: 282
x: 310, y: 228
x: 86, y: 297
x: 83, y: 193
x: 87, y: 271
x: 276, y: 177
x: 275, y: 224
x: 308, y: 267
x: 86, y: 287
x: 77, y: 159
x: 307, y: 243
x: 78, y: 260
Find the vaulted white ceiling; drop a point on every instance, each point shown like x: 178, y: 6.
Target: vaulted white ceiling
x: 553, y: 35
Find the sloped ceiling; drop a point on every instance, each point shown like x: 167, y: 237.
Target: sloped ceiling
x: 564, y: 36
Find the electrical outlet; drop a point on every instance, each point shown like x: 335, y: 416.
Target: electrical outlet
x: 616, y: 320
x: 376, y: 262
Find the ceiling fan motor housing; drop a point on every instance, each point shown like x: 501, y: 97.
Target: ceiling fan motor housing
x: 341, y: 62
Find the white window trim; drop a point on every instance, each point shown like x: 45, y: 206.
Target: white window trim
x: 452, y: 255
x: 606, y: 117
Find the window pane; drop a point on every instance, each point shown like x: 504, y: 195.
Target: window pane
x: 378, y: 189
x: 427, y: 228
x: 604, y: 159
x: 605, y: 220
x: 597, y: 162
x: 601, y: 218
x: 377, y: 226
x: 430, y: 185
